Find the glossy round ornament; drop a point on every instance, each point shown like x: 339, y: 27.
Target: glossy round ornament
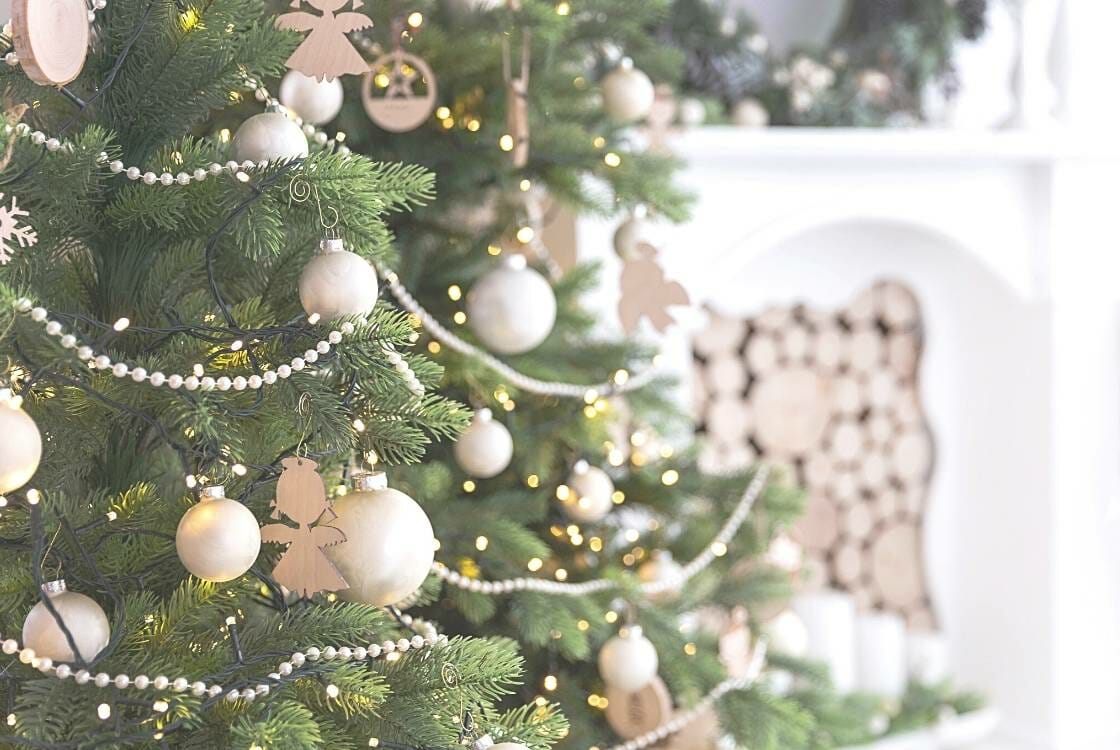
x: 218, y: 538
x: 268, y: 137
x: 590, y: 495
x: 512, y: 308
x: 337, y: 282
x: 631, y: 233
x: 661, y: 568
x: 389, y: 547
x: 628, y: 661
x: 317, y: 102
x: 83, y: 617
x: 628, y: 94
x: 22, y: 445
x: 486, y: 742
x: 750, y: 113
x: 485, y: 448
x: 691, y: 112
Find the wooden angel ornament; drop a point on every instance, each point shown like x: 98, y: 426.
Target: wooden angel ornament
x: 301, y: 497
x: 326, y: 53
x: 645, y: 290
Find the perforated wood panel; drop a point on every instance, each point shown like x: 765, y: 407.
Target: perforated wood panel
x: 834, y: 396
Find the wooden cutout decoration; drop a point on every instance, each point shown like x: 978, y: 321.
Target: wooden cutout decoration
x: 400, y: 109
x: 634, y: 714
x: 301, y: 497
x: 517, y: 100
x: 646, y: 293
x: 659, y: 122
x: 834, y: 395
x: 326, y: 53
x: 51, y: 38
x: 736, y: 646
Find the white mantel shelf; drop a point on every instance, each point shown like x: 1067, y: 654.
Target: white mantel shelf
x: 723, y: 143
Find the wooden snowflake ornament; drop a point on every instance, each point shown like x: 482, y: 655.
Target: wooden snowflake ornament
x: 326, y: 53
x: 13, y: 232
x: 302, y: 498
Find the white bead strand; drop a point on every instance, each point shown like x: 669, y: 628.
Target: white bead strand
x: 650, y: 588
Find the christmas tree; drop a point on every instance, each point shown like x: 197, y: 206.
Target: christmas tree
x: 193, y: 347
x: 572, y: 515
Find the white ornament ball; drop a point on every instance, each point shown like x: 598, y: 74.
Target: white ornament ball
x: 591, y: 494
x: 692, y: 112
x: 84, y: 618
x: 788, y: 635
x: 628, y: 662
x: 485, y: 449
x: 630, y: 234
x: 750, y: 113
x: 628, y: 94
x: 389, y: 547
x: 268, y: 137
x: 218, y: 539
x: 337, y: 282
x: 317, y: 102
x: 21, y: 446
x: 509, y: 746
x: 662, y: 568
x: 512, y: 309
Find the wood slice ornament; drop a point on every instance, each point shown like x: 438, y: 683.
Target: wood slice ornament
x: 51, y: 38
x: 389, y: 95
x: 301, y: 498
x: 631, y: 715
x: 326, y: 53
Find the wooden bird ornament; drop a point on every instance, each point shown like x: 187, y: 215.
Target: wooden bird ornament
x: 326, y: 53
x: 301, y: 497
x: 646, y: 293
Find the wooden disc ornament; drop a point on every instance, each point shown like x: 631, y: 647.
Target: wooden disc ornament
x: 305, y: 516
x: 388, y: 93
x: 51, y: 38
x: 632, y: 714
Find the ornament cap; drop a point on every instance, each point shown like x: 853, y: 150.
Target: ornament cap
x: 331, y: 245
x: 484, y: 415
x: 515, y: 261
x: 214, y: 492
x: 483, y: 743
x: 54, y: 588
x: 626, y: 63
x: 581, y: 467
x: 369, y: 481
x: 630, y: 632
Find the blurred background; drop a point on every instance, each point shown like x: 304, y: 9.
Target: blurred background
x: 905, y: 282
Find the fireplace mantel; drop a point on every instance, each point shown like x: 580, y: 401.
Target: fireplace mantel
x: 1010, y: 241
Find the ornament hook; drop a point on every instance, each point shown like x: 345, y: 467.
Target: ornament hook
x: 300, y: 190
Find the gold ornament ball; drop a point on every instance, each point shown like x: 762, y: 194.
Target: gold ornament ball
x: 21, y: 446
x: 389, y: 547
x: 218, y: 539
x: 84, y: 618
x: 628, y: 94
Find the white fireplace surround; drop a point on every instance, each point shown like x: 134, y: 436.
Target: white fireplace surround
x: 1008, y: 240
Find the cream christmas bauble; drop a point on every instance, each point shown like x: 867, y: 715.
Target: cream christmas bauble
x: 218, y: 539
x: 590, y: 494
x: 389, y: 547
x: 628, y: 661
x: 787, y: 635
x: 691, y: 112
x: 511, y: 309
x: 485, y: 449
x: 268, y: 137
x: 337, y: 282
x: 663, y: 570
x: 83, y: 617
x: 750, y: 113
x: 21, y: 446
x: 628, y: 94
x: 317, y: 102
x: 631, y: 233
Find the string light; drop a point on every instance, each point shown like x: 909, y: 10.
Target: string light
x: 535, y: 564
x: 104, y: 712
x: 121, y: 324
x: 455, y: 292
x: 505, y: 143
x: 481, y: 543
x: 416, y: 19
x: 670, y: 477
x: 611, y: 159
